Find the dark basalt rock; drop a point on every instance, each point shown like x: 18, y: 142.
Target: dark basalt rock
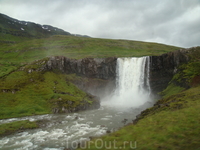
x: 163, y: 67
x: 88, y: 67
x: 100, y: 73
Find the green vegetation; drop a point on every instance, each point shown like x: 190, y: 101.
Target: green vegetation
x: 79, y: 47
x: 171, y: 124
x: 15, y: 53
x: 171, y: 89
x: 25, y: 93
x: 192, y: 69
x: 7, y: 68
x: 9, y: 128
x: 188, y: 74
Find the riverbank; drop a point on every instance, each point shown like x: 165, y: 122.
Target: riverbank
x: 17, y: 126
x: 172, y: 123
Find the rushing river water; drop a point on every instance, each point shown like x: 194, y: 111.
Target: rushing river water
x: 67, y: 130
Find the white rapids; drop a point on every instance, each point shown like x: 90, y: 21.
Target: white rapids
x: 66, y: 130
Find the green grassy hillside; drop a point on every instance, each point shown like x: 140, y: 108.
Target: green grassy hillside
x: 17, y: 126
x: 24, y: 93
x: 79, y: 47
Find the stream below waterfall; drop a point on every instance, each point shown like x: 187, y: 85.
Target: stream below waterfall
x: 63, y: 130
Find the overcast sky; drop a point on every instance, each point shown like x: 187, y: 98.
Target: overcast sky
x: 172, y: 22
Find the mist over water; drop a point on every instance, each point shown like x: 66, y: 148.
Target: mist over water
x: 132, y: 84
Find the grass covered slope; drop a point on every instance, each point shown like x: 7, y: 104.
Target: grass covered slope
x: 10, y: 128
x: 171, y: 124
x: 30, y: 92
x: 79, y: 47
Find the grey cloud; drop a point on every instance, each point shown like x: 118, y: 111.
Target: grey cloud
x: 167, y: 21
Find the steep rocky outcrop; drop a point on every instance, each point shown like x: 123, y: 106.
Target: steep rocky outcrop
x: 98, y: 73
x: 88, y: 67
x: 163, y: 68
x: 101, y: 72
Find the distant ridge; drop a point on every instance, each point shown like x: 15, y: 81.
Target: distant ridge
x: 16, y: 27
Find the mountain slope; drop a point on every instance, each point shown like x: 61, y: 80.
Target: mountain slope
x: 13, y: 27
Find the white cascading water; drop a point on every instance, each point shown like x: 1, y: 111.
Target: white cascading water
x: 132, y: 82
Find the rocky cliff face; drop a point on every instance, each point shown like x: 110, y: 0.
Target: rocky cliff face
x: 98, y: 73
x: 163, y: 68
x: 101, y: 73
x: 88, y: 67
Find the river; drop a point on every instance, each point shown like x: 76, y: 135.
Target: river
x: 67, y: 130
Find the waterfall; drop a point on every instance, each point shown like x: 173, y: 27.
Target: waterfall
x: 132, y: 82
